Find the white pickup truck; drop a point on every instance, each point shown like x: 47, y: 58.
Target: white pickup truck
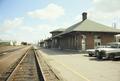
x: 110, y: 52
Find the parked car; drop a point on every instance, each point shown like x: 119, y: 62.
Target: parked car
x: 92, y: 52
x: 110, y: 52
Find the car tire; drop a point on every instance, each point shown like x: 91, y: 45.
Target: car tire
x: 99, y: 56
x: 90, y: 55
x: 112, y: 56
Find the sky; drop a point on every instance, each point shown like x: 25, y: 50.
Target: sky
x: 32, y: 20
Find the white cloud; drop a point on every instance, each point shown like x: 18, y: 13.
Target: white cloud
x: 36, y: 32
x: 16, y: 29
x: 78, y: 18
x: 51, y: 12
x: 10, y: 24
x: 28, y: 33
x: 107, y: 5
x: 105, y: 11
x: 36, y: 28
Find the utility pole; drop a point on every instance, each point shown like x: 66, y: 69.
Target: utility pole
x: 114, y: 25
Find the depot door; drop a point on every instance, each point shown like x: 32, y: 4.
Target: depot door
x: 97, y: 42
x: 83, y: 45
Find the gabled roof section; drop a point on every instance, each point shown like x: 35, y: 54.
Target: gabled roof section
x: 58, y: 30
x: 90, y: 26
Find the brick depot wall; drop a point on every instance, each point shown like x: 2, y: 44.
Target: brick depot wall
x: 74, y: 41
x: 89, y: 41
x: 78, y: 41
x: 106, y: 38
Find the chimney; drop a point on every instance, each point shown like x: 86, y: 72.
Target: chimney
x: 84, y: 16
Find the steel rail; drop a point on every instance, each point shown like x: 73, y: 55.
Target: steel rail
x: 36, y: 73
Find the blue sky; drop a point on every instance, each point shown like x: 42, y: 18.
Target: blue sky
x: 32, y: 20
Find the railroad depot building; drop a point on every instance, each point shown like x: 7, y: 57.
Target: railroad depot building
x: 83, y: 35
x: 49, y: 43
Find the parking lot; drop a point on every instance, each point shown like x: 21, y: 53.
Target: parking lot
x: 73, y: 66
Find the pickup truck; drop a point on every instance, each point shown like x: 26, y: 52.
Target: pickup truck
x: 110, y: 52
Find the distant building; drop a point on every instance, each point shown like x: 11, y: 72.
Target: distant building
x: 11, y: 43
x: 6, y: 42
x: 17, y: 43
x: 42, y: 44
x: 24, y: 43
x: 48, y: 42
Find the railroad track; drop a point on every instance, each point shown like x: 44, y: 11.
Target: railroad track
x: 30, y: 67
x: 27, y: 69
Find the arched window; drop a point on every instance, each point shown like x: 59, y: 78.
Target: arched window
x: 97, y: 41
x: 83, y: 36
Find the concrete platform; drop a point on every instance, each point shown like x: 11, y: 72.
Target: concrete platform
x: 72, y: 66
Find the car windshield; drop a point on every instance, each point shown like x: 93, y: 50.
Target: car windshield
x: 114, y: 46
